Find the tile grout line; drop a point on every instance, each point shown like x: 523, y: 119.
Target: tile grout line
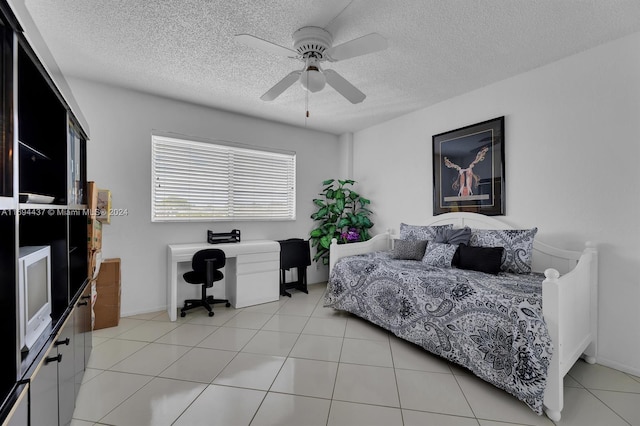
x: 335, y: 379
x: 607, y: 405
x: 395, y: 376
x: 464, y: 395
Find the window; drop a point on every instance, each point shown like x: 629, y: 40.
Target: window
x: 203, y: 181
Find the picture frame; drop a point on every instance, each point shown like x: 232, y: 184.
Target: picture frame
x: 104, y: 206
x: 468, y: 169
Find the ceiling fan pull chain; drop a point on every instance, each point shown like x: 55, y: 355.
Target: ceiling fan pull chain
x: 306, y: 105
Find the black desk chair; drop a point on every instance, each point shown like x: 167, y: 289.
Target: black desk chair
x: 206, y: 265
x: 294, y: 253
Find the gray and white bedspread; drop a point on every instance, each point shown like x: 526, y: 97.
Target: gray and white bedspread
x: 491, y: 324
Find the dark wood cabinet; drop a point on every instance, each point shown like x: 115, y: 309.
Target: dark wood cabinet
x: 42, y: 203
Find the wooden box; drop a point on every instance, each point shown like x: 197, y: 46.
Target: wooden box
x: 107, y: 306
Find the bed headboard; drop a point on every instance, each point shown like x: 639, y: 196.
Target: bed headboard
x: 544, y: 256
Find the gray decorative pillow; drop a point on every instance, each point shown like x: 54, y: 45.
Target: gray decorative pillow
x: 439, y: 255
x: 454, y: 236
x: 517, y: 243
x: 408, y: 249
x: 415, y: 232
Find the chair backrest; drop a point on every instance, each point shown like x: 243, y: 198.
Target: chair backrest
x: 198, y: 263
x: 294, y: 252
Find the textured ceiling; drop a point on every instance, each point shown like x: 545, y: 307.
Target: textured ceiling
x: 185, y: 49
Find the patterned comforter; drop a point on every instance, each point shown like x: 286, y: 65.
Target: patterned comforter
x: 491, y: 324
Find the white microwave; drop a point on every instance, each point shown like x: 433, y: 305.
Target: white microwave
x: 34, y: 293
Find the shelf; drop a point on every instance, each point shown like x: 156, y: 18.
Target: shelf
x: 41, y: 131
x: 35, y: 154
x: 34, y: 206
x: 77, y: 207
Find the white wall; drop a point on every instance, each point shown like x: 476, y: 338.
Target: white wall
x: 572, y: 152
x: 346, y: 155
x: 119, y: 159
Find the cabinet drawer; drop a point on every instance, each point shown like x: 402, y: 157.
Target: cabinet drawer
x: 258, y: 257
x: 252, y: 268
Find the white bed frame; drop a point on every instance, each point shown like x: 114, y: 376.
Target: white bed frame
x: 569, y: 297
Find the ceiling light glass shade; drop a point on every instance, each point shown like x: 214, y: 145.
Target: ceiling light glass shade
x: 312, y: 80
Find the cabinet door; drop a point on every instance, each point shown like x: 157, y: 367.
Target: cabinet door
x: 44, y: 391
x: 65, y: 343
x: 87, y: 324
x: 83, y: 341
x: 20, y: 412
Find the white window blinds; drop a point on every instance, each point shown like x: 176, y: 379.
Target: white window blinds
x: 202, y: 181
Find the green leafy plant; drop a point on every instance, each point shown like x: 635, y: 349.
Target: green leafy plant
x: 342, y: 214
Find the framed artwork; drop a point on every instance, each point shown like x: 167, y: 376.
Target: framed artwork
x: 468, y: 169
x: 104, y: 206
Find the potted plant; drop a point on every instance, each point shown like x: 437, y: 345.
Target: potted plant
x: 342, y: 214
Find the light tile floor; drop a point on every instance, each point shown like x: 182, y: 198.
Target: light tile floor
x: 293, y: 362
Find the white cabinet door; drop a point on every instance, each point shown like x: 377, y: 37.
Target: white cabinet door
x: 19, y: 415
x: 83, y: 337
x: 44, y: 391
x: 253, y: 278
x: 65, y: 343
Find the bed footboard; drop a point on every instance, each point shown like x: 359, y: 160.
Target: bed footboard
x: 570, y: 311
x: 377, y: 243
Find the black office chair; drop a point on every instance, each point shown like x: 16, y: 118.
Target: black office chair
x: 206, y: 265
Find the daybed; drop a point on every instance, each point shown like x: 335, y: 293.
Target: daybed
x: 520, y: 332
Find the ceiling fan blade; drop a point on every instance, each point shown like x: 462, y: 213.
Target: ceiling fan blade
x: 267, y: 46
x: 370, y: 43
x: 281, y: 86
x: 343, y: 87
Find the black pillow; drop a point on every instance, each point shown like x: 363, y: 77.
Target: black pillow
x: 482, y: 259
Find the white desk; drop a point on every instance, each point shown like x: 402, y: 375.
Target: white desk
x: 252, y: 272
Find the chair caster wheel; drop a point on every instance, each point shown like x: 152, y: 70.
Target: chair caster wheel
x: 183, y: 314
x: 227, y: 304
x: 210, y: 314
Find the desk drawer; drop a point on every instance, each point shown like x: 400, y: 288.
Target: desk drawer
x: 252, y: 268
x: 259, y: 257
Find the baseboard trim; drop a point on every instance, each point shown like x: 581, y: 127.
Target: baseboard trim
x: 143, y: 311
x: 620, y: 367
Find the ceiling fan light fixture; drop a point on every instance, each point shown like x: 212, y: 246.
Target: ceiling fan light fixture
x: 312, y: 79
x: 314, y: 45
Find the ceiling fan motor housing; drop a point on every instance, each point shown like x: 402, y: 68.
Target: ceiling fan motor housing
x: 312, y: 42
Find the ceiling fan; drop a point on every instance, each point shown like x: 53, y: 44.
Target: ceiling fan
x: 313, y: 45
